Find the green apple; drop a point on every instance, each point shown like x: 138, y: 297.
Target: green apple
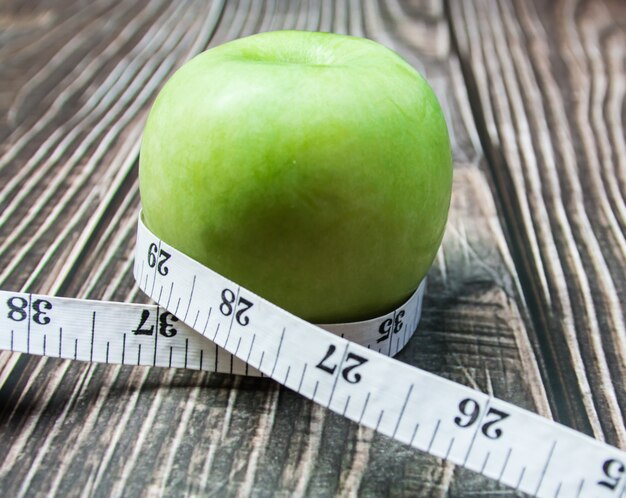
x: 312, y: 168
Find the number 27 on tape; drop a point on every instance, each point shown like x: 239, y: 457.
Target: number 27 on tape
x: 352, y: 361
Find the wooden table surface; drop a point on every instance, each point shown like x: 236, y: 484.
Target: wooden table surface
x: 525, y: 300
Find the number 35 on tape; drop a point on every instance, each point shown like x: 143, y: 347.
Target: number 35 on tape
x: 207, y: 322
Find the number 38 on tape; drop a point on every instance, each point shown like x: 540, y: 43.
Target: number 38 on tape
x: 205, y: 321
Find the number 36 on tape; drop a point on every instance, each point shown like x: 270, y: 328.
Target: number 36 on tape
x: 205, y: 321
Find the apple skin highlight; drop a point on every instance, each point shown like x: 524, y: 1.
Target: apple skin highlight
x: 314, y: 169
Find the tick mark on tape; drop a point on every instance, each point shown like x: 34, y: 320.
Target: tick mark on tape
x: 170, y: 362
x: 449, y: 449
x: 261, y: 361
x: 545, y: 468
x: 207, y: 322
x: 345, y: 408
x: 280, y: 345
x: 380, y: 417
x: 93, y: 332
x: 156, y: 336
x: 521, y: 477
x: 75, y: 348
x: 432, y: 440
x: 302, y: 378
x: 201, y: 358
x: 106, y: 359
x: 558, y: 490
x: 287, y: 375
x: 193, y: 285
x: 367, y: 398
x: 186, y: 350
x: 339, y: 369
x: 251, y: 346
x: 480, y: 424
x: 232, y: 316
x: 315, y: 390
x: 44, y: 344
x: 580, y: 488
x: 169, y: 298
x: 139, y: 355
x: 30, y: 300
x: 506, y: 462
x: 414, y: 434
x: 60, y: 340
x: 484, y: 466
x: 406, y: 400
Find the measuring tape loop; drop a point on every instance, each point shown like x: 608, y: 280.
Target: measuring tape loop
x: 204, y: 321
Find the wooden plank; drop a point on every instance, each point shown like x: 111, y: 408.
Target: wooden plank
x: 547, y: 84
x: 72, y: 118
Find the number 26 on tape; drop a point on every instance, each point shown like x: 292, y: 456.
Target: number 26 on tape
x: 470, y: 414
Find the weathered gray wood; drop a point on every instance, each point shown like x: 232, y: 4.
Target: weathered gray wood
x: 547, y: 83
x: 81, y: 78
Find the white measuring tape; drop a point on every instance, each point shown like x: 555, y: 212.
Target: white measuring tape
x: 207, y: 322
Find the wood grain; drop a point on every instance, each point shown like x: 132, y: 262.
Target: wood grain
x: 547, y: 85
x: 81, y: 78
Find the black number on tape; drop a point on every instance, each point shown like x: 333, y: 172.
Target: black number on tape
x: 228, y: 298
x: 397, y: 327
x: 394, y: 324
x: 384, y: 330
x: 470, y: 411
x: 359, y: 360
x: 166, y: 329
x: 322, y: 365
x: 345, y: 373
x: 40, y: 316
x: 140, y: 330
x: 152, y: 255
x: 158, y: 258
x: 18, y: 306
x: 228, y: 304
x: 243, y: 306
x: 497, y: 432
x: 614, y: 471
